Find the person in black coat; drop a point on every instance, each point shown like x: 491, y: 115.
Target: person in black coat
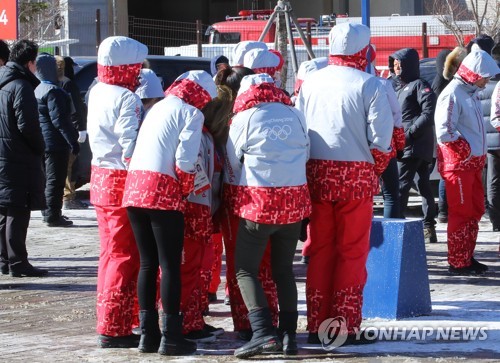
x: 79, y: 120
x: 22, y: 179
x: 61, y: 137
x: 417, y: 102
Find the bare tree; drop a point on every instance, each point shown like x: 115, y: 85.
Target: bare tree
x: 39, y: 19
x: 458, y: 15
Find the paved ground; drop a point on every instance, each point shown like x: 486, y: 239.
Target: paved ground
x: 52, y: 319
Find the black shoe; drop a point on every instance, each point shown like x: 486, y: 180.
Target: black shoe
x: 213, y: 330
x: 227, y: 301
x: 212, y: 297
x: 353, y: 339
x: 245, y: 335
x: 172, y: 340
x: 313, y: 338
x: 305, y: 260
x: 471, y: 270
x: 478, y: 265
x: 62, y: 221
x: 128, y: 341
x: 4, y: 269
x: 200, y: 336
x: 27, y: 271
x: 74, y: 204
x: 266, y: 344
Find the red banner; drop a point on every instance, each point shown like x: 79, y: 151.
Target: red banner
x: 8, y: 19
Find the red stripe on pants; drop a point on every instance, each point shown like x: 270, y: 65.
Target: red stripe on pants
x: 336, y: 274
x: 217, y: 263
x: 465, y: 196
x: 117, y: 306
x: 229, y: 227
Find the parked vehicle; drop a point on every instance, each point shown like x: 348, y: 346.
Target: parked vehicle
x: 168, y: 68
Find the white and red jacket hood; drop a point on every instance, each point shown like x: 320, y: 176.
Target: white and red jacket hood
x: 242, y: 48
x: 119, y: 61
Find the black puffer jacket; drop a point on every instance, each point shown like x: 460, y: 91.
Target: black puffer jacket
x: 54, y: 108
x: 22, y: 180
x: 417, y: 102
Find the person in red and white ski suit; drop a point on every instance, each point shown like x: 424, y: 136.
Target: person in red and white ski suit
x: 161, y: 176
x: 350, y: 126
x: 113, y: 122
x: 461, y: 156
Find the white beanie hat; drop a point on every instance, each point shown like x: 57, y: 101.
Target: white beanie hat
x: 150, y: 85
x: 201, y: 78
x: 117, y: 51
x: 348, y: 38
x: 241, y: 48
x: 260, y: 58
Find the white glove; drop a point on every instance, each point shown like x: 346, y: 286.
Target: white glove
x: 82, y: 136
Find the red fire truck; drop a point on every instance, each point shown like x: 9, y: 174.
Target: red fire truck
x: 388, y: 33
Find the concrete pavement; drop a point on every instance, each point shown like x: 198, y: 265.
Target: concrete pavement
x: 52, y: 319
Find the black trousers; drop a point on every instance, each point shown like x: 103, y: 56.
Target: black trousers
x: 159, y: 235
x: 408, y: 167
x: 493, y: 187
x: 14, y: 223
x: 56, y: 170
x: 251, y: 242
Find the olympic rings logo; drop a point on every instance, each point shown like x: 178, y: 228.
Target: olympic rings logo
x: 277, y: 132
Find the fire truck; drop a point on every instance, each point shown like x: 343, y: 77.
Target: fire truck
x: 389, y: 34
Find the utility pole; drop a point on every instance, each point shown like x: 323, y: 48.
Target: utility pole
x: 115, y: 18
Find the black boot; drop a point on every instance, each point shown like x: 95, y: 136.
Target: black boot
x: 264, y: 338
x: 150, y: 331
x: 287, y: 331
x: 172, y: 340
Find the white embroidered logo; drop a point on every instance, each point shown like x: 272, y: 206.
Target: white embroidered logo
x: 277, y: 132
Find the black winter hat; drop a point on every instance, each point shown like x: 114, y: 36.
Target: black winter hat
x: 485, y: 42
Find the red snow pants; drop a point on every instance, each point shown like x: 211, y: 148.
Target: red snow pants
x: 336, y: 274
x: 117, y: 306
x: 465, y: 196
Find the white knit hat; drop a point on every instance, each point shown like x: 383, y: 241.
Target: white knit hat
x: 242, y: 48
x: 254, y: 79
x: 203, y: 79
x: 117, y: 51
x: 348, y: 38
x: 260, y: 58
x: 150, y: 86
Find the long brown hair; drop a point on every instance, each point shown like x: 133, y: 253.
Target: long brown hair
x: 218, y: 113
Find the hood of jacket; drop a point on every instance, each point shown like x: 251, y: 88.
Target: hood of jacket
x: 12, y: 71
x: 478, y: 64
x: 46, y: 68
x: 196, y: 88
x: 408, y: 57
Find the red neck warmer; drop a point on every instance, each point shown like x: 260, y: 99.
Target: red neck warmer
x: 261, y: 93
x: 190, y: 92
x: 467, y: 75
x: 126, y: 75
x: 357, y: 60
